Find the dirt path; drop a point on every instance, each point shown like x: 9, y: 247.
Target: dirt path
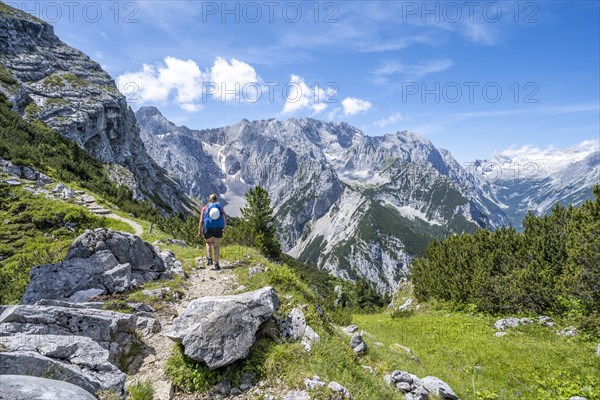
x: 136, y: 227
x: 203, y: 282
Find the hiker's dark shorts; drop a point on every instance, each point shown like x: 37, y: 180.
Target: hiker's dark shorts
x: 213, y: 232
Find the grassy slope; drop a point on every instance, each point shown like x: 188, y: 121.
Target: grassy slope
x: 531, y: 362
x: 33, y: 232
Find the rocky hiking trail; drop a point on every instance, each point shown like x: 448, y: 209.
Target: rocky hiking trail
x: 202, y: 282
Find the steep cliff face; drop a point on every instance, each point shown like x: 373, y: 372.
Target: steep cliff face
x: 52, y: 82
x: 354, y: 205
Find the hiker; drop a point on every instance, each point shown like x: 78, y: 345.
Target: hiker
x: 212, y: 226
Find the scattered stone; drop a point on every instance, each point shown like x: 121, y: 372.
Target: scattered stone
x: 500, y: 334
x: 525, y: 321
x: 294, y: 328
x: 221, y: 330
x: 350, y: 329
x: 404, y: 386
x: 336, y: 387
x: 377, y: 344
x: 12, y: 182
x: 357, y: 344
x: 22, y: 387
x: 569, y: 331
x: 505, y: 323
x: 147, y: 325
x: 100, y: 260
x: 439, y: 388
x: 598, y: 350
x: 255, y: 271
x: 577, y: 398
x: 296, y: 395
x: 313, y: 383
x: 545, y: 321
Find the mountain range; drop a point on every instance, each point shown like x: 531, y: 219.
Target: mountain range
x: 355, y: 205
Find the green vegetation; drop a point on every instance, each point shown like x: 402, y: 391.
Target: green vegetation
x: 257, y: 223
x: 141, y: 390
x: 530, y: 363
x: 553, y: 266
x: 57, y: 101
x: 6, y: 76
x: 36, y: 230
x: 331, y: 359
x: 53, y: 81
x: 75, y: 80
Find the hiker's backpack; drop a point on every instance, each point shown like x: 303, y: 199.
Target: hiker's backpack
x: 213, y: 223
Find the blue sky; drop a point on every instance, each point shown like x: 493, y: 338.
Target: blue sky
x: 475, y: 78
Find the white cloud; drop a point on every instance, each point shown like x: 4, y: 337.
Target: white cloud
x: 191, y: 107
x: 414, y: 71
x: 155, y: 83
x: 352, y: 105
x: 389, y: 120
x: 183, y: 82
x: 229, y: 78
x: 300, y: 96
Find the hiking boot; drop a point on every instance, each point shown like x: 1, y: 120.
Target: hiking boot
x: 209, y: 261
x: 217, y: 267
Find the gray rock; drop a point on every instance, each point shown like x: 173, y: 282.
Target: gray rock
x: 418, y: 392
x: 255, y: 271
x: 438, y: 387
x: 545, y: 321
x: 336, y: 387
x: 389, y: 380
x: 294, y: 325
x: 296, y: 395
x: 85, y: 295
x: 357, y: 344
x: 111, y: 330
x: 403, y: 376
x: 313, y: 383
x: 22, y: 387
x: 505, y: 323
x: 405, y: 387
x: 406, y: 305
x: 221, y: 330
x: 500, y: 334
x: 350, y: 329
x: 100, y: 260
x: 310, y: 336
x: 577, y: 398
x: 147, y: 325
x: 525, y: 321
x: 598, y: 350
x: 569, y: 331
x: 76, y: 359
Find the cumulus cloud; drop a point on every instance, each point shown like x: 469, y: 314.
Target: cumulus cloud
x: 183, y: 82
x: 231, y: 78
x: 389, y: 120
x: 300, y: 96
x: 156, y: 83
x: 352, y: 105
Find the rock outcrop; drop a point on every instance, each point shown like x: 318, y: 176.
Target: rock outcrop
x: 67, y: 90
x: 113, y: 331
x: 75, y: 359
x: 221, y: 330
x: 295, y: 328
x: 100, y: 261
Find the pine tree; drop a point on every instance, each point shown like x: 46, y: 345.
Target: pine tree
x: 258, y: 222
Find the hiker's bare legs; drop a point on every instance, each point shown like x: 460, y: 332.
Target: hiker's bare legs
x: 208, y: 247
x: 217, y: 247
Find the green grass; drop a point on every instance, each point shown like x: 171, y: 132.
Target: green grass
x: 33, y: 232
x: 141, y: 390
x: 530, y: 363
x: 331, y: 359
x: 75, y: 80
x: 54, y: 81
x: 6, y: 76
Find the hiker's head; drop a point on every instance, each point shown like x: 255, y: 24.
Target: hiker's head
x: 212, y: 198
